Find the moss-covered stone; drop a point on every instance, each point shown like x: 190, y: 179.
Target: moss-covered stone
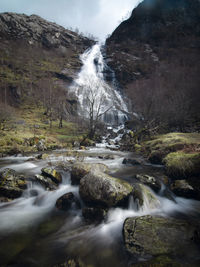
x: 80, y: 169
x: 154, y: 236
x: 98, y: 188
x: 180, y: 164
x: 11, y: 184
x: 53, y: 174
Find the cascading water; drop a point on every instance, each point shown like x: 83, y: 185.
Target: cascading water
x: 94, y: 94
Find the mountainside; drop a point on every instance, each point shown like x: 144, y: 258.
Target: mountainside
x: 155, y: 55
x: 33, y: 49
x: 38, y: 61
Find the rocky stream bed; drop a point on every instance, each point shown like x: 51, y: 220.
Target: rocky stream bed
x: 93, y: 207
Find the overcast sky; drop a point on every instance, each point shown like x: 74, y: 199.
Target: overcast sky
x: 97, y: 17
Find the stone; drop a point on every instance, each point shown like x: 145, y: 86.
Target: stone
x: 12, y: 184
x: 100, y: 189
x: 153, y: 236
x: 52, y: 173
x: 94, y: 214
x: 149, y: 181
x: 145, y: 197
x: 67, y: 201
x: 131, y: 161
x: 80, y: 169
x: 46, y: 182
x: 183, y: 188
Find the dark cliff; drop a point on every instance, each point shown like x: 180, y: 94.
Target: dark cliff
x: 155, y: 55
x: 32, y: 50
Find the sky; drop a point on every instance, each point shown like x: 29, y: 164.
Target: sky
x: 96, y: 17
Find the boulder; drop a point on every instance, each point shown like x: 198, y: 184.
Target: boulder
x: 183, y: 188
x: 98, y: 188
x: 11, y: 184
x: 80, y: 169
x: 53, y: 174
x: 46, y: 182
x: 94, y: 214
x: 131, y: 161
x: 67, y: 201
x: 153, y: 236
x: 145, y: 197
x: 149, y: 181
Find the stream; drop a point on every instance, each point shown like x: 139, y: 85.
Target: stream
x: 34, y: 233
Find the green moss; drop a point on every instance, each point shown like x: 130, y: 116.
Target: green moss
x: 182, y: 164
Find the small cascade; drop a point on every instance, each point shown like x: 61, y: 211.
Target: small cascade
x: 94, y: 94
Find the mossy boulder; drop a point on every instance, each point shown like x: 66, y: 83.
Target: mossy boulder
x: 180, y: 164
x: 154, y: 236
x: 184, y: 188
x: 80, y: 169
x: 161, y: 145
x: 150, y: 181
x: 100, y: 189
x: 11, y: 184
x: 52, y: 173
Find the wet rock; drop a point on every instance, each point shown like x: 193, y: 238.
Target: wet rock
x: 149, y: 181
x: 80, y: 169
x: 42, y: 156
x: 98, y: 188
x: 53, y: 174
x: 144, y: 197
x: 131, y: 161
x: 11, y: 184
x: 46, y: 182
x: 183, y: 188
x: 94, y: 214
x: 67, y: 201
x: 106, y: 157
x: 153, y: 236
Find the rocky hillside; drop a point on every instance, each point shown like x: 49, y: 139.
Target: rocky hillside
x: 32, y: 50
x: 155, y: 55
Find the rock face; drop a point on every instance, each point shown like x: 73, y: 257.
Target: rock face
x: 97, y: 188
x: 158, y: 36
x: 80, y: 169
x: 152, y: 236
x: 46, y: 182
x: 34, y: 29
x: 33, y: 49
x: 11, y: 184
x: 94, y: 214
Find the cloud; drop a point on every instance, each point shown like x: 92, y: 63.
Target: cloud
x: 97, y: 17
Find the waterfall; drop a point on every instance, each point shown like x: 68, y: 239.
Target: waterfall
x: 94, y: 94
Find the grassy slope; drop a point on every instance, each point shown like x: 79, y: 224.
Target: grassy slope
x: 21, y: 127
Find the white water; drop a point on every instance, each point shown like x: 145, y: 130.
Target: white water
x: 90, y: 87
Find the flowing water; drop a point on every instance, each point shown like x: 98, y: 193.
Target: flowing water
x: 34, y: 233
x: 94, y: 93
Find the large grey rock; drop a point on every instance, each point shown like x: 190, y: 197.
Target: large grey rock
x: 11, y: 184
x: 183, y: 188
x: 80, y: 169
x: 46, y: 182
x: 98, y: 188
x: 152, y: 236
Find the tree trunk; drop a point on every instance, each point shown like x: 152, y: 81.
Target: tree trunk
x: 61, y: 122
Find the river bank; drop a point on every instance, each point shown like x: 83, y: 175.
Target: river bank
x: 35, y: 232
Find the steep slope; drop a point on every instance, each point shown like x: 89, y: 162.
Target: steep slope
x: 33, y: 49
x: 155, y: 55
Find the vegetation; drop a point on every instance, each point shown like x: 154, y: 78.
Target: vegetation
x: 29, y: 124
